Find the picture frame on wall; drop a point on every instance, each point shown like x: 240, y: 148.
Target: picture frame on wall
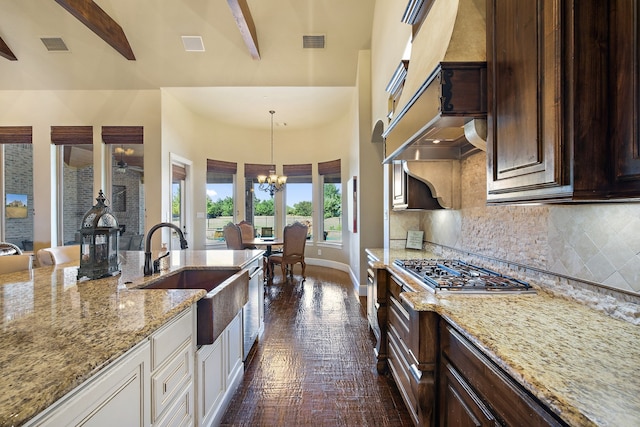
x: 16, y: 206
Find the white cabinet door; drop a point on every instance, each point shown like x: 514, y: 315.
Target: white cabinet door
x: 234, y: 348
x: 114, y: 397
x: 211, y: 377
x: 219, y: 371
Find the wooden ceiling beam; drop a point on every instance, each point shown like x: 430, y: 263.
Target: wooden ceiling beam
x: 5, y: 52
x: 98, y: 21
x: 242, y: 15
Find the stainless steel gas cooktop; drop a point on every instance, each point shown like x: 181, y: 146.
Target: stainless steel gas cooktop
x: 454, y: 275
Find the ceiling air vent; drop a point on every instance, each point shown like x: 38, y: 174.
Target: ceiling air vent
x: 193, y: 43
x: 313, y: 42
x: 54, y: 44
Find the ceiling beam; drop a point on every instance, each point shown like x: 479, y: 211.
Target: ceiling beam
x: 5, y: 52
x: 98, y: 21
x: 242, y: 15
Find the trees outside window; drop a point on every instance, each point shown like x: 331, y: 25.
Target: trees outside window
x: 330, y: 175
x: 220, y: 201
x: 299, y: 195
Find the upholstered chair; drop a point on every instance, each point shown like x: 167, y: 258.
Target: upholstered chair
x: 248, y: 233
x: 233, y: 236
x: 295, y: 238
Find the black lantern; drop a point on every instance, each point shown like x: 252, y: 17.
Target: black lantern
x: 99, y: 247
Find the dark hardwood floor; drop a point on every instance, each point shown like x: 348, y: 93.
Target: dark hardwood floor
x: 314, y: 365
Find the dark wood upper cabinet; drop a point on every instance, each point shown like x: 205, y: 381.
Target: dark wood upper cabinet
x: 562, y: 121
x: 625, y: 84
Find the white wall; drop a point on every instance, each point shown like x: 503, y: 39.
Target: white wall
x: 199, y: 138
x: 388, y: 42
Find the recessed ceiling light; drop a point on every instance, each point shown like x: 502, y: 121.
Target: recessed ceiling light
x: 193, y: 43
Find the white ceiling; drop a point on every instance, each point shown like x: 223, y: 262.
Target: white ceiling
x: 304, y: 86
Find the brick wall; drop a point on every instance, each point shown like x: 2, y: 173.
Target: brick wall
x: 78, y: 198
x: 18, y: 167
x: 133, y: 216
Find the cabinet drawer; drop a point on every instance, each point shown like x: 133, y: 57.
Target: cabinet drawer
x: 395, y: 288
x: 172, y: 337
x: 508, y: 400
x: 459, y: 404
x: 169, y: 381
x: 399, y: 318
x: 400, y: 371
x: 180, y: 414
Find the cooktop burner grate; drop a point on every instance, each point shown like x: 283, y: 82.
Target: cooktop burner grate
x: 459, y: 276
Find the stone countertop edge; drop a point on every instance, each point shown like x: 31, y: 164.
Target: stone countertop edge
x: 578, y: 361
x: 58, y: 331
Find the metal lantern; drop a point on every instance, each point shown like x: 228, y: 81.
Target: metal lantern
x: 99, y: 247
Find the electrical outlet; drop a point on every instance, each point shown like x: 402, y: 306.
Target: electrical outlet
x: 319, y: 251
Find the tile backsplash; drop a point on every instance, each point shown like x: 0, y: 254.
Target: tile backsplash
x: 594, y: 242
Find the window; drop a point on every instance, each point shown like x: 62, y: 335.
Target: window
x: 127, y: 182
x: 75, y: 179
x: 331, y: 201
x: 259, y: 209
x: 220, y: 200
x: 298, y: 195
x: 16, y: 155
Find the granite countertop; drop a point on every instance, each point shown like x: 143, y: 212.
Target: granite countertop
x: 580, y: 362
x: 57, y: 331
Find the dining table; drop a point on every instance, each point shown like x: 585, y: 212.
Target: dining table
x: 268, y: 243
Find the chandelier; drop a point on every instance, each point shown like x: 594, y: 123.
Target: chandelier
x: 121, y: 165
x: 272, y: 183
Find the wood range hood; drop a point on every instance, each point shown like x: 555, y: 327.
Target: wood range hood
x: 445, y: 119
x: 441, y: 114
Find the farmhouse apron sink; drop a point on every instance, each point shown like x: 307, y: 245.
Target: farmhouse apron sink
x: 227, y: 292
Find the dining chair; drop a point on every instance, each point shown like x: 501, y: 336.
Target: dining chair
x: 58, y: 255
x: 14, y: 263
x: 295, y: 238
x: 248, y: 232
x: 233, y: 236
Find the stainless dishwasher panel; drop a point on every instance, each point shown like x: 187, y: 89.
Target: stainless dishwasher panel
x: 251, y: 310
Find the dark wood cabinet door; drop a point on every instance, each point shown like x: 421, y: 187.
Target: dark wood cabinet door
x: 625, y: 70
x: 525, y: 119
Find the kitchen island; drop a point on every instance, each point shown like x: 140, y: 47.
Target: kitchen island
x: 579, y: 363
x: 58, y: 332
